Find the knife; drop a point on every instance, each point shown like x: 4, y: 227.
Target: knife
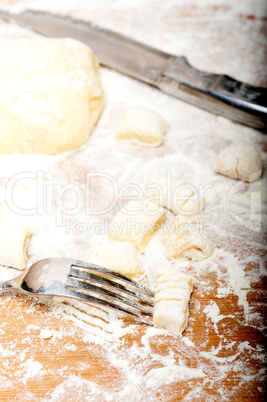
x: 219, y: 94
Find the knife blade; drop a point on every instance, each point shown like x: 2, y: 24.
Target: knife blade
x: 219, y: 94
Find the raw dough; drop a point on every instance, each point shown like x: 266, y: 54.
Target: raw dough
x: 239, y: 161
x: 172, y: 295
x: 46, y: 333
x: 184, y: 237
x: 13, y: 243
x: 141, y: 126
x: 136, y: 223
x: 173, y: 194
x: 50, y: 95
x: 118, y: 256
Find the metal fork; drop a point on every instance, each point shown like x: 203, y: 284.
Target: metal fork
x: 85, y: 281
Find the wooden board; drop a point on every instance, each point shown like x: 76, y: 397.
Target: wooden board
x: 22, y: 322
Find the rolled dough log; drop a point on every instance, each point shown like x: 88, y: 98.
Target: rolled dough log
x: 50, y: 95
x: 172, y: 295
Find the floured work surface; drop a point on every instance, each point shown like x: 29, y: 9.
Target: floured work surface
x: 62, y: 352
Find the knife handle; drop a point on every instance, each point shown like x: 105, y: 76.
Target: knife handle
x: 219, y: 94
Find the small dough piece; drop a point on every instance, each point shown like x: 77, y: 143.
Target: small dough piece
x: 117, y: 256
x: 13, y: 243
x: 183, y: 237
x: 239, y: 161
x: 172, y: 295
x: 136, y: 223
x: 141, y: 126
x: 50, y: 95
x: 173, y: 194
x: 46, y: 333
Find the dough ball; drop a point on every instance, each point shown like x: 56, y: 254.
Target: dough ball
x: 13, y: 243
x: 117, y: 256
x: 239, y: 161
x: 136, y: 223
x: 183, y: 237
x: 50, y: 95
x: 141, y: 126
x: 177, y: 196
x: 172, y: 296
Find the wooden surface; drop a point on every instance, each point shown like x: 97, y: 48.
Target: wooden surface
x: 88, y: 361
x: 227, y: 350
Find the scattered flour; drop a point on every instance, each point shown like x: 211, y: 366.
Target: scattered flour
x: 31, y: 369
x: 213, y: 312
x: 172, y: 373
x: 238, y: 281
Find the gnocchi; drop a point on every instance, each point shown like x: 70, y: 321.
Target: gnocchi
x: 13, y: 243
x: 173, y: 194
x: 172, y: 295
x: 136, y: 223
x: 141, y: 126
x: 118, y: 256
x: 239, y: 161
x: 184, y: 237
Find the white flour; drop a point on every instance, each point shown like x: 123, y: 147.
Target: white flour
x: 132, y: 366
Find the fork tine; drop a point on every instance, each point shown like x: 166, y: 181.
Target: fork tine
x: 90, y: 277
x: 75, y: 293
x: 82, y: 285
x: 113, y: 274
x: 85, y: 278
